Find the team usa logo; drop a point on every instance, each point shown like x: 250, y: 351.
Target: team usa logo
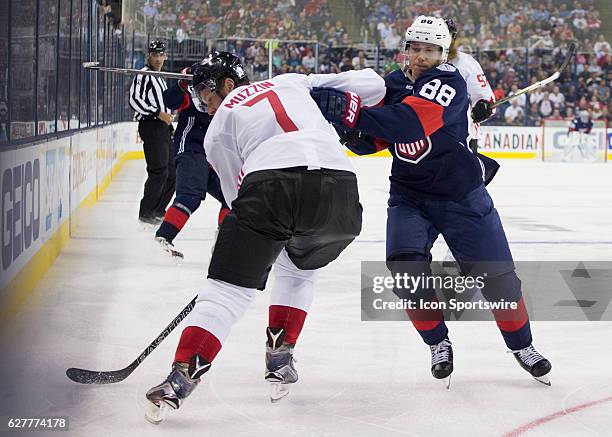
x: 413, y: 152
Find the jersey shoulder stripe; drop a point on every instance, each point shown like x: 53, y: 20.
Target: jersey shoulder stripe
x: 429, y: 113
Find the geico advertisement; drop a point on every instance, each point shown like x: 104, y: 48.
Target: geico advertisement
x: 34, y: 201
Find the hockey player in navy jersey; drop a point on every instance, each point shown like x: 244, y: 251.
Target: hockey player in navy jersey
x: 436, y: 187
x: 582, y: 122
x: 579, y: 129
x: 194, y: 177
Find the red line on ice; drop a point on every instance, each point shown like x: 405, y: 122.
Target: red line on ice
x: 542, y: 420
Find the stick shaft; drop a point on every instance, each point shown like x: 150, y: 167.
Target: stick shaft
x: 571, y: 48
x: 133, y: 71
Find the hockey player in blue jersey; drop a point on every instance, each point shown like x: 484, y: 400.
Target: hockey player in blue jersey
x: 194, y: 177
x: 579, y: 129
x: 582, y: 123
x: 437, y: 187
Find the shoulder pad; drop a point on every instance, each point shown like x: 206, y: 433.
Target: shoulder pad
x: 447, y: 67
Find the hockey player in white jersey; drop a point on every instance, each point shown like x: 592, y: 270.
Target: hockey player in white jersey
x: 480, y: 98
x: 294, y: 204
x: 480, y: 94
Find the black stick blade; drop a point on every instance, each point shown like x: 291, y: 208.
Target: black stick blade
x: 83, y: 376
x: 571, y: 50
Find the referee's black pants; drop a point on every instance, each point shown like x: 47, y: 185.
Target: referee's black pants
x: 161, y: 173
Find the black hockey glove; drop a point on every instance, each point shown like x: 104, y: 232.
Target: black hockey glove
x: 356, y: 141
x: 482, y: 110
x: 338, y: 107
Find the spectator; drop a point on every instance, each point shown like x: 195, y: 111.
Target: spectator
x: 596, y: 108
x: 391, y: 64
x: 601, y: 90
x: 212, y: 31
x: 360, y: 61
x: 557, y: 98
x: 346, y: 64
x: 546, y: 107
x: 499, y: 91
x: 514, y: 114
x: 308, y: 62
x: 534, y: 118
x: 522, y: 99
x: 392, y: 41
x: 384, y: 29
x: 601, y: 46
x: 536, y: 96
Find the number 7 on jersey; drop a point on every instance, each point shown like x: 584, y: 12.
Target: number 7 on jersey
x: 279, y: 110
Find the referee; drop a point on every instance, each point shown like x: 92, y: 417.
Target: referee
x: 155, y: 129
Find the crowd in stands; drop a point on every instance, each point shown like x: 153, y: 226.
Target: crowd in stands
x: 496, y: 33
x: 489, y: 25
x: 280, y: 19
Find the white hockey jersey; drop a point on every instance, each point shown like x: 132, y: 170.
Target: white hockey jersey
x: 272, y: 124
x: 477, y: 86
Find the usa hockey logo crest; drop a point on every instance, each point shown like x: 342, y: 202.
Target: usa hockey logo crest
x: 413, y: 152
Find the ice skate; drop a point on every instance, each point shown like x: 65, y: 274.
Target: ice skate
x: 280, y: 369
x: 170, y: 394
x: 169, y: 248
x: 149, y: 223
x: 534, y: 363
x: 442, y: 361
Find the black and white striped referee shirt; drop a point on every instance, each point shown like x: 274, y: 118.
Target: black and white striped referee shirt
x: 146, y: 96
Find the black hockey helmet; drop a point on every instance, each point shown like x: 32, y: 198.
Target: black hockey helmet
x: 157, y: 46
x: 209, y: 72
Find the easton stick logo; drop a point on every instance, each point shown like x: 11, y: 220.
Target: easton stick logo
x: 413, y: 152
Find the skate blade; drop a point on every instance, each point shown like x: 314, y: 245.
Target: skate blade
x: 447, y: 381
x: 543, y: 380
x: 147, y: 227
x: 177, y: 257
x: 278, y: 391
x: 156, y: 413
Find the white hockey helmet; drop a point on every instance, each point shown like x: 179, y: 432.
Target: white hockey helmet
x: 432, y: 30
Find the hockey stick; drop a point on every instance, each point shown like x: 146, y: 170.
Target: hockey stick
x: 167, y: 75
x: 571, y: 48
x: 83, y: 376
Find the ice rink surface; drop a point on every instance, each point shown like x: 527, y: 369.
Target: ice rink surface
x: 111, y: 291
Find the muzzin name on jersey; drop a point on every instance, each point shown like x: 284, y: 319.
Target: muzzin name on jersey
x: 248, y: 91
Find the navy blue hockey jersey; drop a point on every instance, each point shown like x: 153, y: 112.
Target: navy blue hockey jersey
x: 192, y: 123
x: 425, y: 127
x: 577, y: 124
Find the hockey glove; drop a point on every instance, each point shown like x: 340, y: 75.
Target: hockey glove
x: 338, y: 107
x: 356, y: 141
x: 482, y: 110
x: 182, y: 83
